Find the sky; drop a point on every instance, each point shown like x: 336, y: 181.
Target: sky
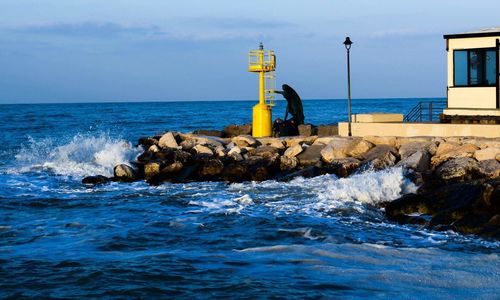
x: 102, y: 51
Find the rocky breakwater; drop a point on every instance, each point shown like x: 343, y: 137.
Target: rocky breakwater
x: 458, y: 177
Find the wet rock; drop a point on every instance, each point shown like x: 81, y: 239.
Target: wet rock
x: 172, y: 168
x: 210, y: 168
x: 419, y: 161
x: 125, y: 173
x: 235, y: 130
x: 288, y: 163
x: 358, y: 147
x: 458, y: 169
x: 203, y: 150
x: 293, y: 151
x: 235, y: 172
x: 307, y: 130
x: 147, y: 142
x: 95, y: 180
x: 309, y: 172
x: 152, y: 169
x: 245, y: 141
x: 327, y: 130
x: 168, y: 141
x: 145, y: 156
x: 236, y: 156
x: 487, y: 153
x: 489, y: 168
x: 343, y: 167
x: 311, y: 155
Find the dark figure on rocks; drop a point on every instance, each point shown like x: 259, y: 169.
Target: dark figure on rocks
x: 294, y: 107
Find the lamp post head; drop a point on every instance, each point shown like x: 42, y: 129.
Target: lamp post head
x: 261, y: 46
x: 347, y: 43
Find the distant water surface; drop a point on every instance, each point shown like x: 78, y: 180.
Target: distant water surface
x: 308, y: 238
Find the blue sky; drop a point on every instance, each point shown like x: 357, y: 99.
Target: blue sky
x: 85, y: 51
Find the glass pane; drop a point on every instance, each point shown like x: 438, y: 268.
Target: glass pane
x: 476, y: 65
x: 491, y: 67
x: 460, y: 68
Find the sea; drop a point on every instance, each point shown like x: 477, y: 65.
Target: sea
x: 316, y: 238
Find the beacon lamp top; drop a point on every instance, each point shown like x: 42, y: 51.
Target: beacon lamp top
x: 347, y: 43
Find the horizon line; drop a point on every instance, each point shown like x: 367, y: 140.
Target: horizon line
x: 209, y: 100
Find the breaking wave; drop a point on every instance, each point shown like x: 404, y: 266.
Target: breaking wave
x: 83, y: 155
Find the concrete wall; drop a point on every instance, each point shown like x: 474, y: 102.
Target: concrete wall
x: 472, y: 112
x: 470, y: 97
x: 420, y: 129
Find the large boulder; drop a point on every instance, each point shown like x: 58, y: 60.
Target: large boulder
x: 147, y: 142
x: 486, y: 153
x: 331, y: 152
x: 358, y: 147
x: 235, y: 130
x: 458, y: 169
x: 208, y: 132
x: 303, y: 140
x: 168, y: 141
x: 311, y: 155
x: 471, y: 207
x: 294, y: 150
x: 124, y: 173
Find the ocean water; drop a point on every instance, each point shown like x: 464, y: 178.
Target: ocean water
x: 322, y: 237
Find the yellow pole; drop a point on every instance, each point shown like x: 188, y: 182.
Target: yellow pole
x: 262, y: 114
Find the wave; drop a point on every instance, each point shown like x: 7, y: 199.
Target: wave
x: 83, y: 155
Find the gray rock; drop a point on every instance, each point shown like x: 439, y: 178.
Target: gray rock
x: 125, y: 173
x: 264, y: 151
x: 327, y: 130
x: 419, y: 161
x: 235, y: 130
x: 311, y: 155
x: 343, y: 167
x: 307, y: 130
x: 245, y: 141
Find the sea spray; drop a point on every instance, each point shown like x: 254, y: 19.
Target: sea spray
x: 83, y: 155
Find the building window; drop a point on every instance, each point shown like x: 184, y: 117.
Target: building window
x: 475, y: 67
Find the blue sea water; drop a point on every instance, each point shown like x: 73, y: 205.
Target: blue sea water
x: 308, y: 238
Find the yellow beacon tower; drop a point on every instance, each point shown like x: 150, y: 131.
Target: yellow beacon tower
x: 264, y: 63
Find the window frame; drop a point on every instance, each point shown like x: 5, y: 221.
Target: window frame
x: 468, y: 50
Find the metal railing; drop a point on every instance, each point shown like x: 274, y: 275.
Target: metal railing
x: 426, y: 111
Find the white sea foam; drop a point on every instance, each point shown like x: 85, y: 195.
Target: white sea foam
x: 82, y: 156
x: 325, y: 194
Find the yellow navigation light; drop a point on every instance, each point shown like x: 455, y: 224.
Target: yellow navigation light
x: 264, y: 63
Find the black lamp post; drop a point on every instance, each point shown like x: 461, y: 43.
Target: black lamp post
x: 347, y: 44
